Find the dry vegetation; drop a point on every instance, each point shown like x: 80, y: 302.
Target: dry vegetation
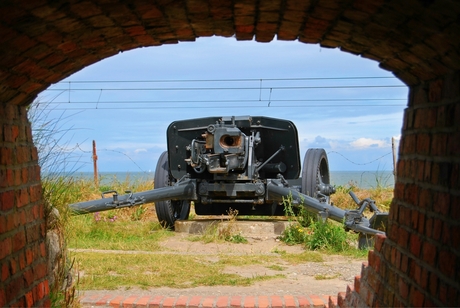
x: 137, y: 229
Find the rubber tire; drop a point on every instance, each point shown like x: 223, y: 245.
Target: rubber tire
x: 315, y: 171
x: 168, y: 211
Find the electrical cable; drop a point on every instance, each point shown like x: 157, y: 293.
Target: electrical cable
x: 235, y: 101
x: 230, y: 80
x: 231, y: 88
x: 272, y: 103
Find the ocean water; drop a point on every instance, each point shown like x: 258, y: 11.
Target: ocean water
x: 362, y: 179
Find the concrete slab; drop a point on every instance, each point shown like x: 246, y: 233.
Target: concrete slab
x: 247, y: 228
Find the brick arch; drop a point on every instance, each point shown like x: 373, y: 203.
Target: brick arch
x: 44, y: 41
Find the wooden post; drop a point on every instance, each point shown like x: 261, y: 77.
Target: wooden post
x: 96, y: 182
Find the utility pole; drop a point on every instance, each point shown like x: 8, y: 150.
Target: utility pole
x: 96, y: 182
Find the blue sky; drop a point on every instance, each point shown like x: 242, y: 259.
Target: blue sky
x: 247, y: 78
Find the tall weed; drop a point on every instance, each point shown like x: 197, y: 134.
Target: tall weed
x: 227, y: 231
x: 299, y: 220
x: 55, y: 157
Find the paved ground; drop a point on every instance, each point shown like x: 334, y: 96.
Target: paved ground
x: 111, y: 299
x: 299, y: 288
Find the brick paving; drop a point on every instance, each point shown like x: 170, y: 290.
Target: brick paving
x: 107, y: 299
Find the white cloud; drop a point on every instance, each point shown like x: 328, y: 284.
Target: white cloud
x: 336, y: 145
x: 343, y: 127
x: 363, y: 143
x: 320, y: 142
x: 140, y: 134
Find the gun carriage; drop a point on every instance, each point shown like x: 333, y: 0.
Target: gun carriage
x: 245, y: 163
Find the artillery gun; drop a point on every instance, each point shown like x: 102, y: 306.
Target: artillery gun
x: 250, y: 164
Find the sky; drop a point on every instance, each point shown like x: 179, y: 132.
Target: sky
x: 126, y: 102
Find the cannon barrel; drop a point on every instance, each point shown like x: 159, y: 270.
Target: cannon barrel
x: 184, y: 190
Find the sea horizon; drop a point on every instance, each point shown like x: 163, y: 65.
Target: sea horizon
x: 362, y: 179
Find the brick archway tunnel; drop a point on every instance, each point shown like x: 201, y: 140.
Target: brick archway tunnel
x: 417, y: 264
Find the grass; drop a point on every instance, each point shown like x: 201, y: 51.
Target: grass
x: 219, y: 233
x: 276, y: 267
x: 330, y: 236
x: 112, y: 271
x: 326, y: 277
x: 382, y: 195
x: 116, y: 235
x: 224, y: 260
x: 123, y: 229
x: 49, y: 137
x: 136, y: 229
x: 298, y: 258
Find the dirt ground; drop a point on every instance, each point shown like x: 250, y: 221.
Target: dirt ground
x: 320, y: 278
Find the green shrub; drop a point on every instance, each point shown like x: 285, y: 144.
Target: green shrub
x: 294, y: 234
x: 327, y: 236
x: 307, y: 229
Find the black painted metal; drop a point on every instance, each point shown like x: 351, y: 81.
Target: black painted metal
x: 246, y: 163
x: 184, y: 190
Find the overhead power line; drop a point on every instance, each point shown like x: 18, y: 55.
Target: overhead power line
x: 231, y: 88
x: 240, y: 101
x: 227, y: 80
x: 289, y: 89
x: 213, y: 107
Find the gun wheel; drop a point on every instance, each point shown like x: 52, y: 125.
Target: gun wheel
x: 315, y: 172
x: 168, y: 211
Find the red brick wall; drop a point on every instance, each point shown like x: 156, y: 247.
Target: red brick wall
x: 23, y: 264
x: 42, y: 42
x: 418, y: 263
